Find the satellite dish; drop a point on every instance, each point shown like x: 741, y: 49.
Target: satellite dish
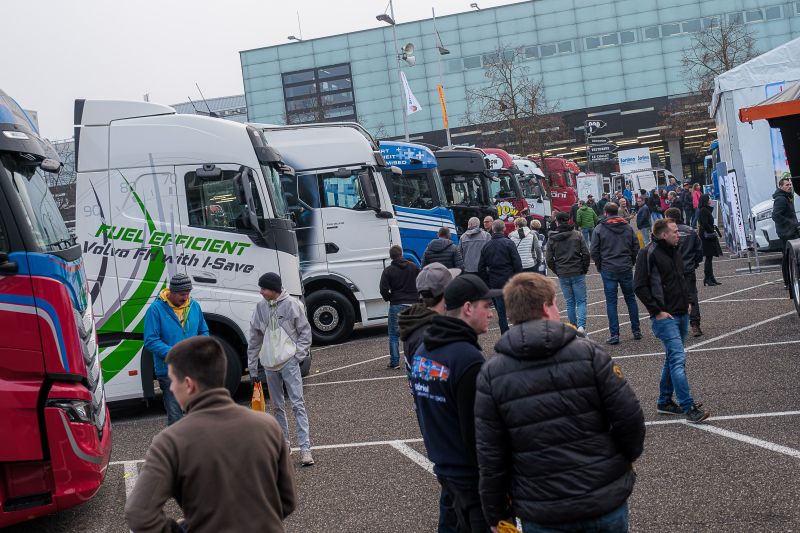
x: 411, y: 60
x: 408, y: 49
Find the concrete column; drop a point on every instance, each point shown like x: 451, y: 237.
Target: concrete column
x: 675, y: 161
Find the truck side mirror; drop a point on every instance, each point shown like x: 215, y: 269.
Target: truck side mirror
x: 368, y: 190
x: 6, y: 266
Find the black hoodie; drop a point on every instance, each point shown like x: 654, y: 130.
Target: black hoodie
x: 399, y: 282
x: 443, y: 373
x: 444, y: 251
x: 614, y: 245
x: 783, y: 214
x: 413, y: 322
x: 556, y: 427
x: 567, y: 253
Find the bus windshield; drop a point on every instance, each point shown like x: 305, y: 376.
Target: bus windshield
x: 463, y: 189
x: 41, y: 212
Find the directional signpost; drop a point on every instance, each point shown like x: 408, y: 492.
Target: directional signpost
x: 599, y: 140
x: 597, y: 148
x: 602, y: 148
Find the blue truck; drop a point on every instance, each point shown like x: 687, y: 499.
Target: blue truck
x: 418, y: 196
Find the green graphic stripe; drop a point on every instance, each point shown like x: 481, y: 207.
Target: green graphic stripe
x: 123, y: 354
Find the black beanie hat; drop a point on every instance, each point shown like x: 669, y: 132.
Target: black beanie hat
x: 270, y: 281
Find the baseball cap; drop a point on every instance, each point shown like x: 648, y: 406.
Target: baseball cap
x: 434, y: 278
x: 467, y: 288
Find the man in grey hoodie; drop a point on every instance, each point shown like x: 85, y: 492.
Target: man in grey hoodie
x: 280, y: 338
x: 472, y: 242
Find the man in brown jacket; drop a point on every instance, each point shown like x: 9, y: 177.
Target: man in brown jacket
x: 227, y: 466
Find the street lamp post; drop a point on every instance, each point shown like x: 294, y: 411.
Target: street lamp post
x: 389, y: 19
x: 442, y: 51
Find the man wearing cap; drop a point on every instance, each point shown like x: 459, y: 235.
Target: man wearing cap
x: 442, y: 378
x: 172, y: 317
x: 280, y: 339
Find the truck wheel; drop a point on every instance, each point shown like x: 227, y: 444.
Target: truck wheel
x: 233, y: 372
x: 331, y: 316
x: 791, y: 255
x: 305, y: 366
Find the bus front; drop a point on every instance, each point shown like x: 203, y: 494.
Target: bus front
x: 53, y: 417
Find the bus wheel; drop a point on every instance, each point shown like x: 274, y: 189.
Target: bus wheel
x: 233, y: 372
x: 331, y: 316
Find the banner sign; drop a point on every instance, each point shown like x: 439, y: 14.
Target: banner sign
x: 443, y: 105
x: 412, y: 105
x: 732, y: 215
x: 634, y: 159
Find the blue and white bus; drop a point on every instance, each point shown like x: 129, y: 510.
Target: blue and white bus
x: 417, y: 195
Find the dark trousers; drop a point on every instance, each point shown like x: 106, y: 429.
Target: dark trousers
x: 708, y: 267
x: 448, y: 521
x: 784, y: 261
x: 467, y: 505
x: 500, y: 307
x: 691, y: 281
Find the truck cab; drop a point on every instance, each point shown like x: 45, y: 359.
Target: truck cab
x: 533, y: 183
x: 160, y: 193
x: 345, y: 222
x: 465, y: 176
x: 505, y: 190
x: 53, y: 416
x: 417, y: 196
x: 561, y: 176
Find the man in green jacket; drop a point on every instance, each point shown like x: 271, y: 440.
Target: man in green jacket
x: 585, y: 221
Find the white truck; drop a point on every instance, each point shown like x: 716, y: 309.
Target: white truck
x: 160, y: 193
x: 345, y: 222
x: 647, y: 179
x: 536, y: 195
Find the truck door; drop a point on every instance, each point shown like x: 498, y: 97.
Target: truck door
x: 356, y: 241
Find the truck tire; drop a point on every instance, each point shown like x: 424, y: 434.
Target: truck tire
x: 233, y: 372
x: 792, y: 254
x: 305, y: 366
x: 331, y: 316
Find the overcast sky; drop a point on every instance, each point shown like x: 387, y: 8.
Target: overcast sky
x: 55, y: 51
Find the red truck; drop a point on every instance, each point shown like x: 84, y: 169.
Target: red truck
x: 504, y: 189
x: 53, y: 417
x: 561, y: 182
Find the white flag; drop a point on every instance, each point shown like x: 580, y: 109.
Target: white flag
x: 412, y: 106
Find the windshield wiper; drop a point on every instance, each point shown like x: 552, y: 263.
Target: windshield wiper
x: 68, y: 242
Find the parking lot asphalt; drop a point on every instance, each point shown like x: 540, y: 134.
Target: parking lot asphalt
x: 739, y: 472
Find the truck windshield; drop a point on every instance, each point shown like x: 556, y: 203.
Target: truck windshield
x: 413, y: 188
x: 41, y: 212
x: 273, y: 181
x: 502, y: 187
x: 463, y: 189
x: 531, y: 187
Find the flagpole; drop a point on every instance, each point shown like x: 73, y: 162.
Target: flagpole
x: 403, y: 95
x: 439, y: 45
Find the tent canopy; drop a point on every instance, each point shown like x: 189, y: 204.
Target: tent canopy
x: 785, y: 103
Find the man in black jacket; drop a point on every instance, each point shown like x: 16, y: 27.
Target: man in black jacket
x: 643, y: 218
x: 785, y: 219
x: 398, y: 287
x: 614, y: 250
x: 443, y: 373
x: 499, y: 261
x: 686, y: 200
x: 443, y: 250
x: 691, y: 248
x: 661, y: 286
x: 556, y: 424
x: 568, y: 258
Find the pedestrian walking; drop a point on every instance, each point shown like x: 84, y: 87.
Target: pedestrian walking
x: 280, y: 339
x: 663, y: 200
x: 499, y: 261
x: 227, y: 466
x: 590, y: 202
x: 471, y: 243
x: 172, y: 317
x: 414, y: 322
x: 643, y: 222
x: 654, y: 204
x: 691, y: 248
x: 785, y: 219
x: 708, y: 233
x: 528, y: 246
x: 674, y: 200
x: 614, y: 249
x: 696, y: 194
x: 601, y: 205
x: 573, y: 212
x: 686, y: 199
x: 557, y: 427
x: 568, y: 257
x: 585, y: 221
x: 398, y: 286
x: 536, y: 228
x: 443, y: 250
x: 443, y: 373
x: 660, y: 285
x: 625, y: 210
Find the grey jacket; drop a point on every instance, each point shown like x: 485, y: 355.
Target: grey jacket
x: 289, y: 315
x: 471, y: 243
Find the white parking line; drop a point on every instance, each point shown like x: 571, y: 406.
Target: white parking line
x: 360, y: 380
x: 771, y: 446
x: 740, y: 330
x: 718, y: 348
x: 413, y: 454
x: 131, y: 474
x: 348, y: 366
x: 733, y: 300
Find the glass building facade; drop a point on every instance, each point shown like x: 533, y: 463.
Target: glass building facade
x: 614, y: 59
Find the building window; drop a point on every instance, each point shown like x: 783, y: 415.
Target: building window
x: 797, y: 8
x: 691, y: 26
x: 773, y: 13
x: 626, y: 37
x: 531, y: 52
x: 490, y: 59
x: 472, y: 62
x: 319, y: 94
x: 454, y: 65
x: 565, y: 47
x: 610, y: 40
x: 670, y: 29
x: 710, y: 22
x: 592, y: 42
x: 547, y: 50
x: 651, y: 33
x: 754, y: 15
x: 735, y: 18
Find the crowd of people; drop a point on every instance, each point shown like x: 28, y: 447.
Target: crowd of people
x: 497, y: 430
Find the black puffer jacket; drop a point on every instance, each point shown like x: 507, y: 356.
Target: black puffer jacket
x: 442, y: 251
x: 783, y: 214
x: 556, y: 427
x: 567, y: 254
x: 614, y: 245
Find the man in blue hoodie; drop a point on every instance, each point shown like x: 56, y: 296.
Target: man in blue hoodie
x: 172, y: 317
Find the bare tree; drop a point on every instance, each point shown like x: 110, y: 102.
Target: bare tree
x: 514, y: 104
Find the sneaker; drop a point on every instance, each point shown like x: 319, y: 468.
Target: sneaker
x: 613, y: 339
x: 670, y: 408
x: 393, y: 366
x: 696, y: 331
x: 696, y: 415
x: 305, y: 458
x: 582, y: 330
x: 637, y: 335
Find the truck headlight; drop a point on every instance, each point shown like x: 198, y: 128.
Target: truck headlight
x: 764, y: 215
x: 76, y: 410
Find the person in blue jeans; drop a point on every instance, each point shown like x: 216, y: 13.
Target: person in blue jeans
x: 614, y: 250
x: 660, y: 285
x: 568, y: 257
x: 398, y: 286
x: 171, y: 318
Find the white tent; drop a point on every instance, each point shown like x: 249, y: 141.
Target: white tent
x: 753, y: 151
